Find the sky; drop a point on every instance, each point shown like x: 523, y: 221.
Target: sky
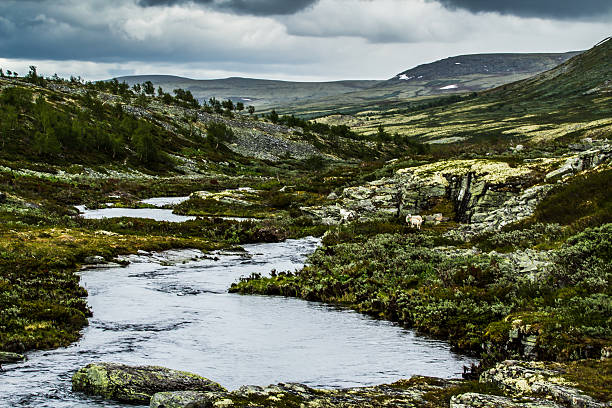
x: 303, y: 40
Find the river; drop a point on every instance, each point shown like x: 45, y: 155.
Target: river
x: 172, y: 309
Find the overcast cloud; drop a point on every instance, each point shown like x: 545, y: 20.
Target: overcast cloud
x: 254, y: 7
x: 593, y: 9
x: 296, y: 40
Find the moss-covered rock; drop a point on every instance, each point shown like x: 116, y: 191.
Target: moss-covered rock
x: 406, y: 393
x: 8, y: 358
x: 136, y: 384
x: 474, y: 400
x: 526, y: 379
x: 180, y: 399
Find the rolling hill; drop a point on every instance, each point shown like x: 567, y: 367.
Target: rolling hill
x: 569, y: 101
x: 256, y: 92
x: 464, y: 73
x: 451, y: 75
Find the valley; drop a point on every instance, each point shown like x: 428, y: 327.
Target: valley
x: 511, y: 269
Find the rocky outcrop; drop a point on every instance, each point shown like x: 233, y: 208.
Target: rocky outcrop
x: 486, y: 194
x: 520, y: 378
x: 588, y: 159
x: 11, y: 358
x: 483, y: 192
x: 136, y: 384
x: 407, y: 393
x: 491, y: 216
x: 473, y: 400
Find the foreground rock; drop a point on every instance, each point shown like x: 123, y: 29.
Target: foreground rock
x: 136, y: 384
x: 473, y: 400
x: 405, y: 393
x: 9, y: 358
x: 523, y: 378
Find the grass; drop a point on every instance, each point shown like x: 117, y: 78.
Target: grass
x: 592, y: 376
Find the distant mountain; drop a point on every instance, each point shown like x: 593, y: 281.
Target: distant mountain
x: 559, y: 106
x: 476, y: 72
x: 256, y: 92
x: 464, y: 73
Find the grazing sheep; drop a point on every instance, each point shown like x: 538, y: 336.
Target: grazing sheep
x: 347, y: 215
x: 414, y: 220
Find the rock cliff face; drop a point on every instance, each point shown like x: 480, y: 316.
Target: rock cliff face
x: 485, y: 194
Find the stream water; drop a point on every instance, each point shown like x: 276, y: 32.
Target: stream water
x: 172, y: 309
x: 157, y: 214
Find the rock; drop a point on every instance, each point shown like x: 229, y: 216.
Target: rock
x: 269, y: 234
x: 136, y: 384
x: 181, y: 399
x: 521, y: 378
x: 402, y: 394
x: 96, y: 259
x: 582, y: 161
x: 106, y: 233
x: 9, y: 358
x: 473, y: 400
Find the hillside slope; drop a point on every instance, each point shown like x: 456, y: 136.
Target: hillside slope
x: 565, y: 103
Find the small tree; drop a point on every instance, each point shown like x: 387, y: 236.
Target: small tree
x: 251, y: 110
x: 146, y: 143
x: 273, y: 116
x: 382, y: 135
x: 228, y: 105
x: 160, y: 92
x: 33, y: 77
x: 239, y: 106
x: 142, y: 100
x: 217, y: 133
x: 148, y: 88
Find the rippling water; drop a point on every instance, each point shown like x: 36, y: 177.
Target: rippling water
x: 182, y: 317
x: 163, y: 201
x: 157, y: 214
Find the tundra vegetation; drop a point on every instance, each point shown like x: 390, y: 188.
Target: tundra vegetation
x: 66, y: 142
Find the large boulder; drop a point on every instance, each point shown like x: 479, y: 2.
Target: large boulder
x: 136, y: 384
x: 8, y: 358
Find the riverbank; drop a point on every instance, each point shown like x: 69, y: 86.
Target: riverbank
x: 525, y: 304
x: 42, y: 305
x: 509, y: 384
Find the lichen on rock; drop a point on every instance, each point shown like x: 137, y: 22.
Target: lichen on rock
x: 136, y: 384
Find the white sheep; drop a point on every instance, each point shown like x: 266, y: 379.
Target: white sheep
x: 414, y: 220
x: 347, y: 215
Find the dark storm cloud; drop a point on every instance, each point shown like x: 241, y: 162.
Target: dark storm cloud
x: 558, y: 9
x: 97, y: 31
x: 254, y: 7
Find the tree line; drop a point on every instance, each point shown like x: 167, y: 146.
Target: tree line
x: 37, y: 127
